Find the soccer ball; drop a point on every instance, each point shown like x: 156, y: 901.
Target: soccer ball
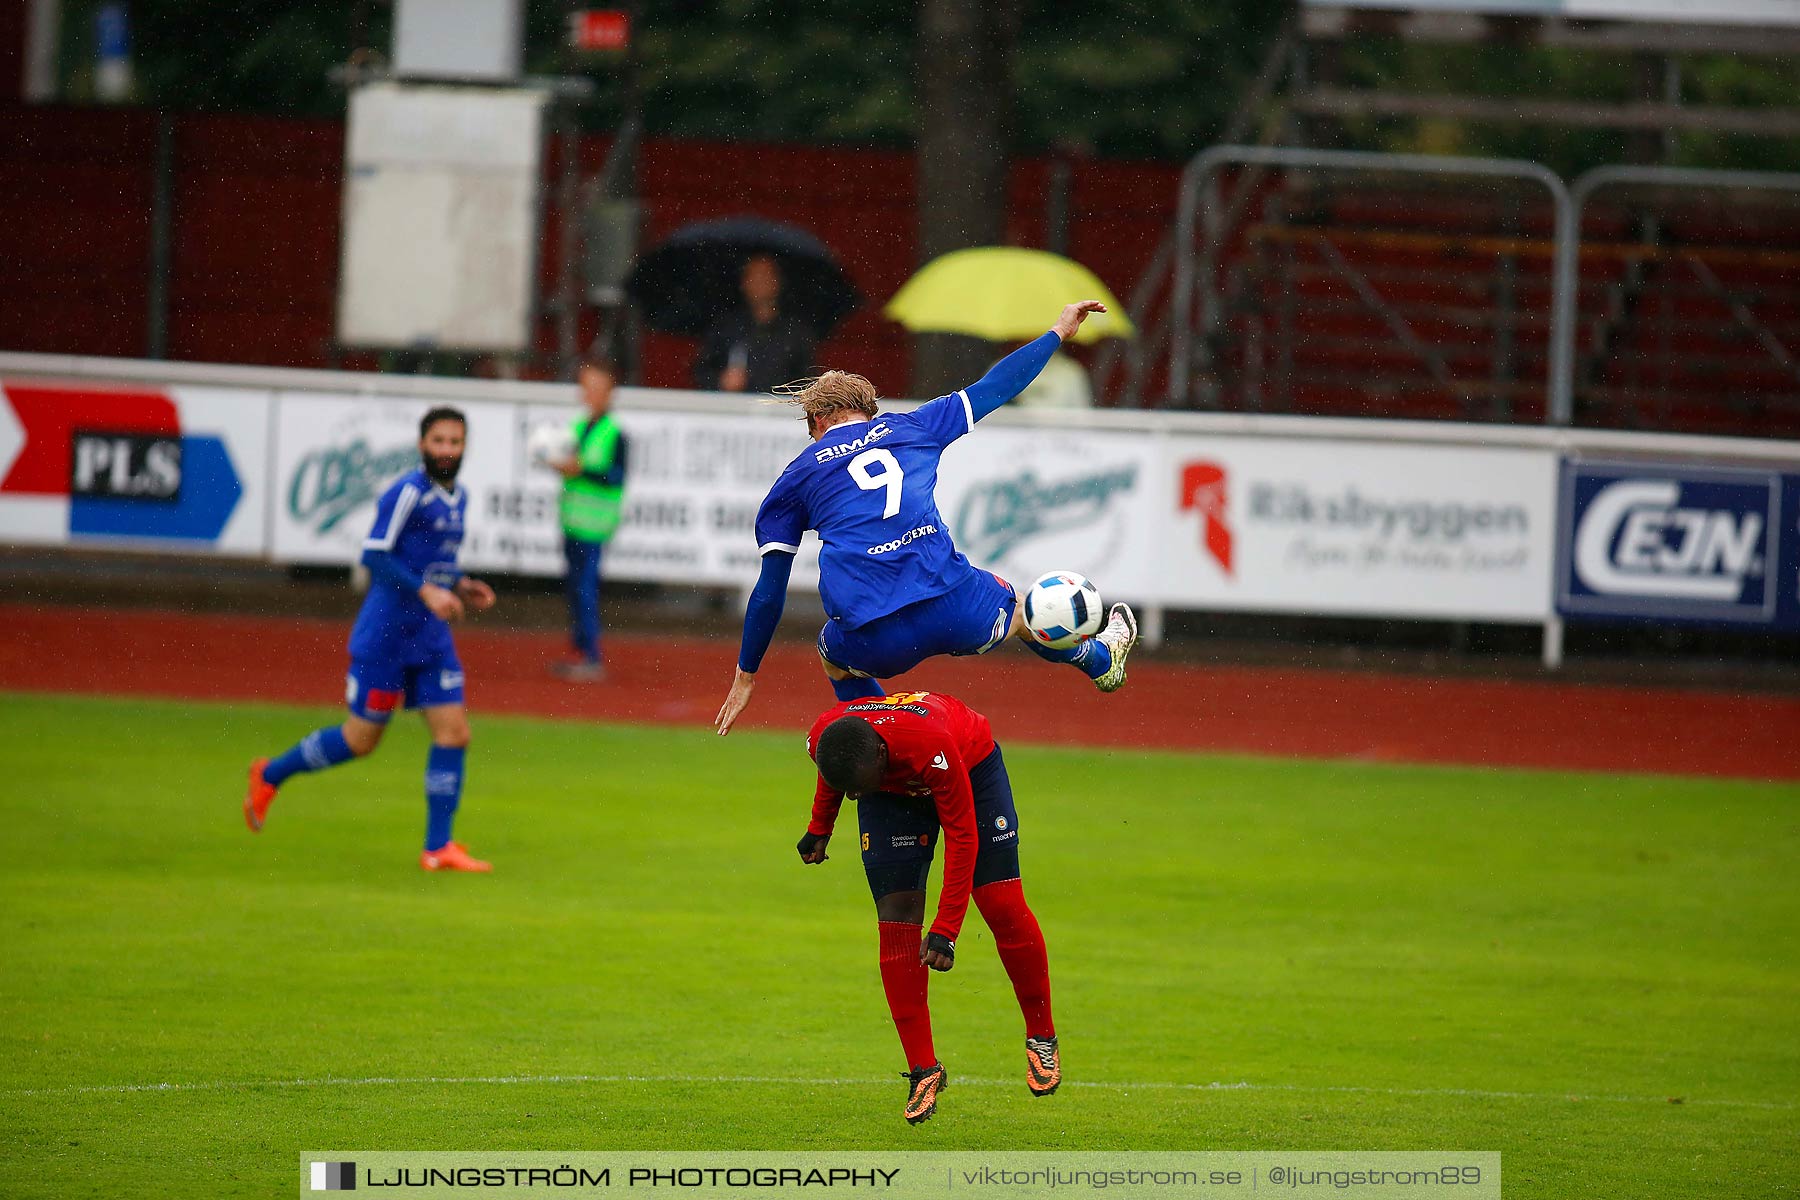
x: 548, y: 443
x: 1063, y: 608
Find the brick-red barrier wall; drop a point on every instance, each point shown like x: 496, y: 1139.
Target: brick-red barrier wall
x: 255, y: 232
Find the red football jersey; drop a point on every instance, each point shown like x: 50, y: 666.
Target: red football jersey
x: 932, y: 741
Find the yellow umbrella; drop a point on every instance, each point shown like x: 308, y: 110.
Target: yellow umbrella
x: 1004, y: 294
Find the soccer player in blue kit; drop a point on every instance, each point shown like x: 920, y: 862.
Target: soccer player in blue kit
x: 896, y: 589
x: 401, y: 650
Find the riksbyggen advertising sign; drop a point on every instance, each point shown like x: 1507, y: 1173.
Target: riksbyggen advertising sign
x: 1357, y: 528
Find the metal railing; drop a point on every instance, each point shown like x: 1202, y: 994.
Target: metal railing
x: 1205, y: 220
x: 1196, y: 266
x: 1699, y: 260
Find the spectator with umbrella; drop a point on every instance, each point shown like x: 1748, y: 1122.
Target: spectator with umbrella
x: 756, y: 347
x: 759, y: 293
x: 998, y: 293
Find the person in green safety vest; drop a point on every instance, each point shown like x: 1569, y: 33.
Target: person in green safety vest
x: 593, y: 487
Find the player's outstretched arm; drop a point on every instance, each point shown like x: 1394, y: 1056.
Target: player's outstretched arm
x: 1073, y: 315
x: 761, y: 616
x: 442, y: 602
x: 1014, y: 373
x: 737, y: 699
x: 475, y: 593
x: 954, y: 795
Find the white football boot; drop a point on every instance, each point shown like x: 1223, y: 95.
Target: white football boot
x: 1119, y: 636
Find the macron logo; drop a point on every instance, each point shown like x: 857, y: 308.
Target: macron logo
x: 941, y: 763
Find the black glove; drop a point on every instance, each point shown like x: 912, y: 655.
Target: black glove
x: 810, y: 842
x: 939, y: 944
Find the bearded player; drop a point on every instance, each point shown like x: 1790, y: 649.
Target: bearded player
x: 923, y: 767
x: 401, y: 651
x: 896, y: 589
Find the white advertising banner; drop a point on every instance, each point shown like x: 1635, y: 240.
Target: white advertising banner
x: 335, y: 455
x: 691, y: 496
x: 1021, y: 502
x: 693, y: 486
x: 1358, y: 528
x: 177, y: 467
x: 1355, y: 526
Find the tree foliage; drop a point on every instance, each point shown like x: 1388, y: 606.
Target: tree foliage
x: 1143, y: 78
x: 1134, y: 78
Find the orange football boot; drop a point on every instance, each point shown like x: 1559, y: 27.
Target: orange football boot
x: 923, y: 1085
x: 259, y: 797
x: 1043, y: 1065
x: 451, y: 856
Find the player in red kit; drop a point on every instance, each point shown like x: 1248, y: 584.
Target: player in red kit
x: 921, y: 765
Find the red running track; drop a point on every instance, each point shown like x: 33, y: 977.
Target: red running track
x: 1367, y: 716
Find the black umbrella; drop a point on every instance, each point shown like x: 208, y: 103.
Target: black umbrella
x: 692, y: 279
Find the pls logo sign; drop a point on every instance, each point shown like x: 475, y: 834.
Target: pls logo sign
x: 125, y: 464
x: 1676, y: 543
x: 119, y: 459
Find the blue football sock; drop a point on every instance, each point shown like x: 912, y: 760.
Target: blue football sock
x: 856, y: 689
x: 316, y: 751
x: 1090, y: 655
x: 443, y: 791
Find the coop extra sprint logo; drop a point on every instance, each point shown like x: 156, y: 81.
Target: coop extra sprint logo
x: 998, y: 515
x: 332, y: 482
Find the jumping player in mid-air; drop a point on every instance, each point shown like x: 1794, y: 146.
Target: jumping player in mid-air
x: 401, y: 650
x: 896, y: 589
x: 918, y: 763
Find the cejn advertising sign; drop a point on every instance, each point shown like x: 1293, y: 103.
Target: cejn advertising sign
x: 1667, y: 542
x: 1357, y: 528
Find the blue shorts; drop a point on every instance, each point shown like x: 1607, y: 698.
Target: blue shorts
x: 900, y: 833
x: 972, y: 619
x: 374, y: 687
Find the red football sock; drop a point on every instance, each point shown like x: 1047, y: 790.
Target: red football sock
x: 1022, y: 951
x: 905, y: 979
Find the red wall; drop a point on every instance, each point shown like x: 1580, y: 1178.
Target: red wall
x: 14, y: 28
x: 74, y: 230
x: 255, y: 233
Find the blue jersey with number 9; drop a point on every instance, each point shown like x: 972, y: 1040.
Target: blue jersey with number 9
x: 869, y: 488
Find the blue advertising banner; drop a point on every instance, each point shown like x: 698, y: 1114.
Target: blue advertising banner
x: 1678, y: 542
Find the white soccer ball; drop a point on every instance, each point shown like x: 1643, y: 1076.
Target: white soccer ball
x: 548, y: 443
x: 1062, y: 609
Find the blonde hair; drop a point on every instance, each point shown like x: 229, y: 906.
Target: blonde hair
x: 829, y: 394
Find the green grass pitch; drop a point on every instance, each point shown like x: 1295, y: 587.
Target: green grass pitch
x: 1360, y: 956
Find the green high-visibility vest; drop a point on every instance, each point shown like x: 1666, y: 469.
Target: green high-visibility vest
x: 591, y: 509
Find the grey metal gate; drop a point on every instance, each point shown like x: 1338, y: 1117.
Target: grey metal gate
x: 1204, y: 217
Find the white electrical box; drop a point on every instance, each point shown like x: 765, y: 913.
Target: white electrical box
x: 481, y: 40
x: 441, y: 217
